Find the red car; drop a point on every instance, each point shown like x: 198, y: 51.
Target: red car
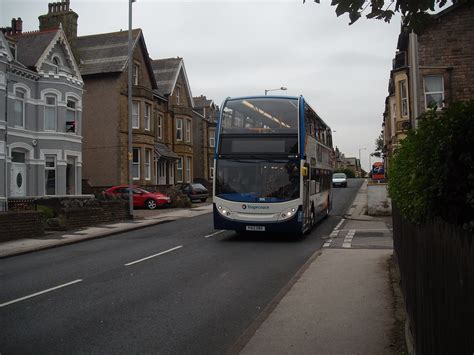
x: 141, y: 197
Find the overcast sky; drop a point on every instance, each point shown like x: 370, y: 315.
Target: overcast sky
x: 236, y: 48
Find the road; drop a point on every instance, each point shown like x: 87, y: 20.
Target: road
x: 172, y: 288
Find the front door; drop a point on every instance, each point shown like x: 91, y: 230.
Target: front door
x: 18, y: 180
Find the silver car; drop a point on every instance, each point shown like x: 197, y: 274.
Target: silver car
x: 339, y: 179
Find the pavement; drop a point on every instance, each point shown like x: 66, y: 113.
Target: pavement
x: 339, y: 302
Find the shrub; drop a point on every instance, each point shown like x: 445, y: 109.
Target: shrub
x: 432, y: 172
x: 46, y: 212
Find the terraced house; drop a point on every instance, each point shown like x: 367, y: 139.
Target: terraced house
x: 173, y: 83
x: 431, y: 68
x: 41, y: 91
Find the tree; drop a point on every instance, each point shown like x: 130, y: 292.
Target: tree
x: 415, y: 12
x: 379, y: 147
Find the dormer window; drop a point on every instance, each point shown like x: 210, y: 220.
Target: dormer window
x: 56, y: 64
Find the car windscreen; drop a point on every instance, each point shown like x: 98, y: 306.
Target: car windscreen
x: 198, y: 186
x: 339, y: 176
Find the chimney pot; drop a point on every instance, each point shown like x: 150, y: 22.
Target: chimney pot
x: 19, y: 25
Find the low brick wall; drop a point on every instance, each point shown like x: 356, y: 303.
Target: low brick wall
x: 105, y: 212
x: 20, y: 224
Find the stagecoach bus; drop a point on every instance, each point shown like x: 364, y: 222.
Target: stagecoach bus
x: 273, y: 165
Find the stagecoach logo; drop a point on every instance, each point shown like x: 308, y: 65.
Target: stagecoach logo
x: 244, y: 207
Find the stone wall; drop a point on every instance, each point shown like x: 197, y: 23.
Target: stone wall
x: 378, y: 202
x: 20, y: 224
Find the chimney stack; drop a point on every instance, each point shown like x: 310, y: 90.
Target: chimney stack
x: 19, y: 25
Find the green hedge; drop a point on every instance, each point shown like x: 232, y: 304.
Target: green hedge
x: 432, y: 172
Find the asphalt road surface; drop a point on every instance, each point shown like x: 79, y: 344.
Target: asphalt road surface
x: 178, y: 288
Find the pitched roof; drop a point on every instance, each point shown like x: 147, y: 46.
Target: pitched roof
x: 31, y: 46
x: 166, y: 73
x: 108, y: 52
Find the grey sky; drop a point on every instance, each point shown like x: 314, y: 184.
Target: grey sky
x: 235, y: 48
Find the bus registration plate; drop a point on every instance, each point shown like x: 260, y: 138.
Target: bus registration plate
x: 255, y: 228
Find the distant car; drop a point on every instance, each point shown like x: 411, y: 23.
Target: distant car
x: 194, y: 191
x: 339, y: 179
x: 141, y: 197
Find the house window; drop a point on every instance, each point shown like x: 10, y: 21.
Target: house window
x: 19, y: 108
x: 212, y: 139
x: 403, y: 98
x: 179, y: 170
x: 159, y: 131
x: 147, y: 117
x: 179, y: 129
x: 136, y: 164
x: 188, y: 169
x: 188, y: 131
x: 56, y: 65
x: 136, y: 69
x: 147, y: 164
x: 135, y: 114
x: 50, y: 113
x: 50, y: 175
x: 211, y: 168
x: 178, y: 96
x: 71, y: 176
x: 434, y: 91
x: 71, y: 116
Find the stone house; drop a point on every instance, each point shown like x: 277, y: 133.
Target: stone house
x: 41, y: 94
x: 431, y: 68
x: 207, y: 114
x: 172, y: 81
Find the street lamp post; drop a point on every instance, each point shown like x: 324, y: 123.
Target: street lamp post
x: 280, y: 88
x: 130, y: 73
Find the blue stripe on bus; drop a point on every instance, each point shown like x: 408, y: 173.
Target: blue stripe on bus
x: 302, y: 128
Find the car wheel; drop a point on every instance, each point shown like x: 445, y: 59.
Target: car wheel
x: 203, y: 199
x: 150, y: 204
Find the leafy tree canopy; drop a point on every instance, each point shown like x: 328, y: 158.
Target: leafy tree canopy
x: 415, y: 12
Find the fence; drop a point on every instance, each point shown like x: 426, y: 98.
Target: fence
x: 436, y: 262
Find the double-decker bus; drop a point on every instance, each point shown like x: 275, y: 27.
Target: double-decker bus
x: 273, y: 165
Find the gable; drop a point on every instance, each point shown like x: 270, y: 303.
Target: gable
x: 59, y: 47
x: 4, y: 48
x: 182, y: 83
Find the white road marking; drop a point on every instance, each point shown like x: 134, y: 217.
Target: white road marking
x: 366, y: 230
x: 213, y: 234
x: 348, y: 239
x: 39, y: 293
x: 334, y: 234
x: 152, y: 256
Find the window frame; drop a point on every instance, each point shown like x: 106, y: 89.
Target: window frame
x: 404, y: 109
x: 179, y: 129
x: 136, y: 73
x: 188, y: 169
x: 179, y: 170
x: 74, y: 110
x: 54, y: 110
x: 136, y: 163
x: 212, y: 139
x: 147, y: 164
x: 159, y: 130
x: 22, y: 101
x: 178, y: 95
x: 433, y: 92
x: 136, y: 116
x: 48, y: 169
x: 147, y: 116
x: 188, y: 131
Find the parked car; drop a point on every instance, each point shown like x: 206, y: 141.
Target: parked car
x: 194, y: 191
x: 339, y: 179
x: 141, y: 197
